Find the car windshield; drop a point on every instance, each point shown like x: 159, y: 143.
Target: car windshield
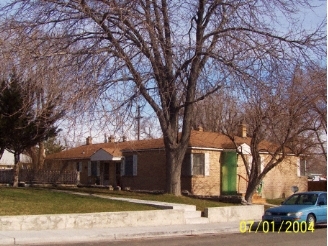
x: 301, y: 199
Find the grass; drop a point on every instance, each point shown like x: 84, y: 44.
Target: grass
x: 200, y: 204
x: 277, y: 201
x: 31, y: 201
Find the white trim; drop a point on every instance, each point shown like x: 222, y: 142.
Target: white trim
x: 195, y: 148
x: 207, y: 164
x: 245, y: 149
x: 270, y: 153
x: 101, y: 155
x: 135, y: 165
x: 262, y: 159
x: 122, y: 166
x: 298, y: 171
x: 191, y: 164
x: 214, y: 149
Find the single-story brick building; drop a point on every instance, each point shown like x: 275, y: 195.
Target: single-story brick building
x: 211, y: 166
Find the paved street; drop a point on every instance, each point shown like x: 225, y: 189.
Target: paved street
x: 318, y: 238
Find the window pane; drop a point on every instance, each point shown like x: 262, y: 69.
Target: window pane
x: 302, y: 167
x: 323, y: 198
x: 198, y: 164
x: 94, y: 168
x: 129, y: 165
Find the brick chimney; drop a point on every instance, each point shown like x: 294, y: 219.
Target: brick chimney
x: 89, y: 140
x: 111, y: 139
x: 242, y: 130
x: 200, y: 128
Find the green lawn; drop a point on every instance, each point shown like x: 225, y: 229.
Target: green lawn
x: 28, y: 201
x: 200, y: 204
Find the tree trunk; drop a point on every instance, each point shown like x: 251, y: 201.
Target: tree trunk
x: 252, y: 184
x: 16, y: 169
x: 34, y: 156
x: 41, y: 155
x: 2, y: 150
x: 173, y: 172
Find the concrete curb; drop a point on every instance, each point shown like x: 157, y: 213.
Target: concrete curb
x: 40, y: 236
x: 111, y: 234
x: 4, y: 240
x: 92, y: 220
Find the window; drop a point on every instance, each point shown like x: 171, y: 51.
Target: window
x: 301, y: 167
x: 301, y: 199
x: 196, y: 164
x: 129, y: 165
x: 93, y: 168
x: 79, y: 166
x: 322, y: 199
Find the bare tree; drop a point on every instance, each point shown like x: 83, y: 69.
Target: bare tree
x: 21, y: 53
x: 165, y: 51
x: 280, y: 115
x: 318, y: 77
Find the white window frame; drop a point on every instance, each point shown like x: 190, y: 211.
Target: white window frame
x: 206, y: 164
x: 298, y: 171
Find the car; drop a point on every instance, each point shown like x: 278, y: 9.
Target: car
x: 307, y: 207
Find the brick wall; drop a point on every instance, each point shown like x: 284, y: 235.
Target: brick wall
x: 242, y: 179
x: 279, y: 181
x: 151, y: 173
x: 208, y: 185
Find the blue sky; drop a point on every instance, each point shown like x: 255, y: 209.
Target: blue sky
x: 309, y: 19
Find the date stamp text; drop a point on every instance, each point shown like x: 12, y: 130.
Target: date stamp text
x: 266, y: 226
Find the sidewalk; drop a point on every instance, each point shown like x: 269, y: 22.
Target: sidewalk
x: 110, y: 234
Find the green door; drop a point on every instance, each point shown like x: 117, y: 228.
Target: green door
x: 229, y: 173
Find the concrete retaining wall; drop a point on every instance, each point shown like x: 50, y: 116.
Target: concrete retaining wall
x: 92, y: 220
x: 234, y: 213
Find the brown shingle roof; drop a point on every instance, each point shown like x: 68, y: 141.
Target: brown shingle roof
x: 197, y: 139
x: 115, y: 149
x: 213, y: 140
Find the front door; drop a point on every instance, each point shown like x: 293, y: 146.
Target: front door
x: 229, y: 173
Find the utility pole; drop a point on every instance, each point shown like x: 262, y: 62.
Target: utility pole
x: 138, y: 121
